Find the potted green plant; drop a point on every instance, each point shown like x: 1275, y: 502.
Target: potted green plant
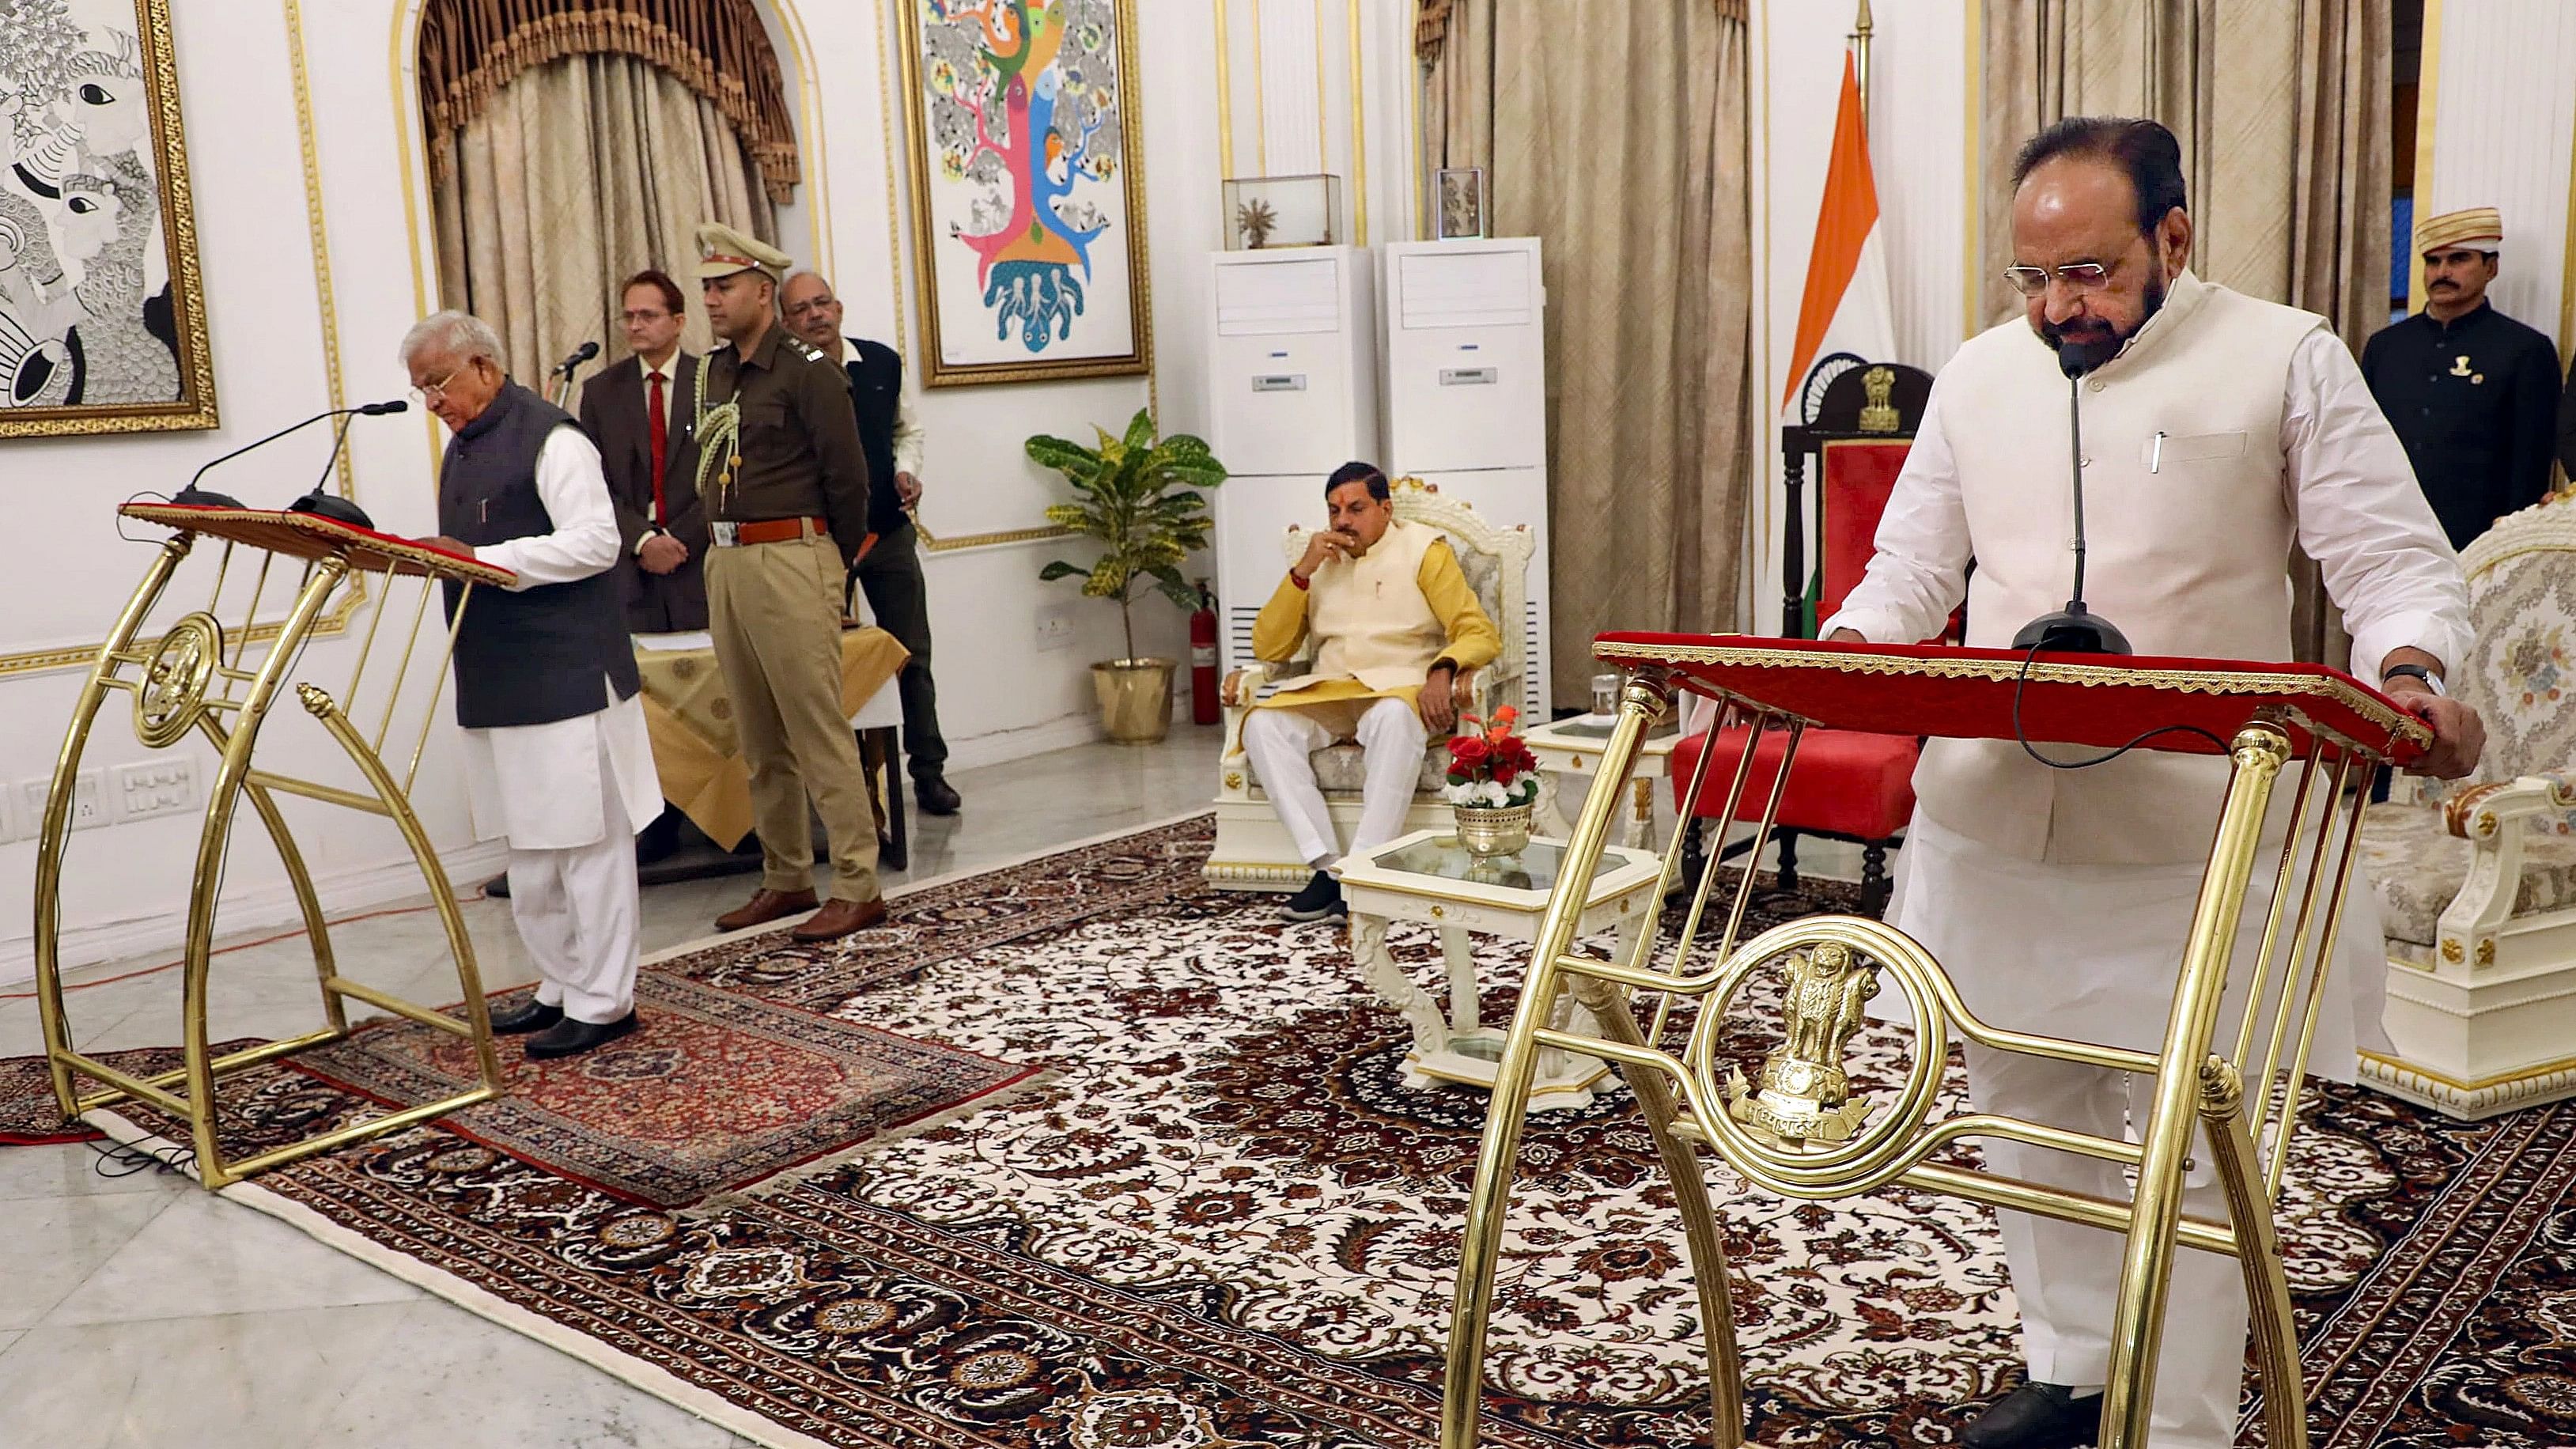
x: 1136, y: 496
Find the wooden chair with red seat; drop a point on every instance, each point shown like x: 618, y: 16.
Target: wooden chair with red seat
x: 1846, y: 785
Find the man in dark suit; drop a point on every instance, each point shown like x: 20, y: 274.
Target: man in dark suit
x: 890, y: 571
x: 642, y: 413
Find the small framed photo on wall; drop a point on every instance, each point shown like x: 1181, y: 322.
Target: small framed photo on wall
x: 1461, y: 196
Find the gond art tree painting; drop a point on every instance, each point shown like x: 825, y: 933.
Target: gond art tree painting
x: 1028, y: 201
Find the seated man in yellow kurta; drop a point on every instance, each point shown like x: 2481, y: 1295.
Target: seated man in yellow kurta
x: 1398, y: 634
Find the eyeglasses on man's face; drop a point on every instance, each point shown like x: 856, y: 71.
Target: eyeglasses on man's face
x: 2077, y: 277
x: 430, y: 393
x: 644, y: 317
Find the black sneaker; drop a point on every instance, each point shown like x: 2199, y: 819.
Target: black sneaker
x: 1322, y: 897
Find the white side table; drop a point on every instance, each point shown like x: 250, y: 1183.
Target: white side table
x: 1427, y: 877
x: 1570, y: 751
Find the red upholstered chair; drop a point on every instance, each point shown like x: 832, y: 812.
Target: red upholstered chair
x: 1846, y: 785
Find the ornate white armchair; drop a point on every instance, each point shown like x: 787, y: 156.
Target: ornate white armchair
x: 1253, y: 851
x: 2477, y: 883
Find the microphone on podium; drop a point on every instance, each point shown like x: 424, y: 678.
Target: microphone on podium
x: 2074, y: 629
x: 206, y: 498
x: 331, y: 505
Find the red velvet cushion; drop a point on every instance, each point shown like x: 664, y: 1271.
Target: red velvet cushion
x: 1844, y: 782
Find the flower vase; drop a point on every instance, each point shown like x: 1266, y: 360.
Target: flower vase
x: 1485, y: 831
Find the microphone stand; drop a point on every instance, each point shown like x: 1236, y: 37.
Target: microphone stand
x: 2073, y: 629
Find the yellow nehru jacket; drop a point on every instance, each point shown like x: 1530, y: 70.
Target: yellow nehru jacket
x: 1380, y: 621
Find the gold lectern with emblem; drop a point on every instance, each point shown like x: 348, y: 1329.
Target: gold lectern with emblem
x: 1800, y: 1128
x: 196, y: 678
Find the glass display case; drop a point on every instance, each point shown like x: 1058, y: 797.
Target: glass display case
x: 1262, y: 212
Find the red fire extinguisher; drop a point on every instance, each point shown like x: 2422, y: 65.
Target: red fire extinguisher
x: 1203, y: 658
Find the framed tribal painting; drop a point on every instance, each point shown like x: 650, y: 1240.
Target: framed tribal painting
x: 1028, y: 193
x: 102, y: 313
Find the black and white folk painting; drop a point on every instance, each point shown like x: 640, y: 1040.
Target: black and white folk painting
x: 102, y: 322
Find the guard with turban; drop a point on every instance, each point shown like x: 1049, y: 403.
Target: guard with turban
x: 2472, y: 393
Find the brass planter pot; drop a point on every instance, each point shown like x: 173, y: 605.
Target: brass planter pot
x: 1135, y: 699
x: 1491, y: 830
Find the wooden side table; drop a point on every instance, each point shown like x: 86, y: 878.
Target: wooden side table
x: 1427, y: 877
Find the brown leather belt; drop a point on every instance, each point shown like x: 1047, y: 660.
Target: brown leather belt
x: 768, y: 530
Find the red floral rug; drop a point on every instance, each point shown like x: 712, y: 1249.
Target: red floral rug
x: 717, y: 1090
x: 1228, y: 1224
x: 28, y: 1116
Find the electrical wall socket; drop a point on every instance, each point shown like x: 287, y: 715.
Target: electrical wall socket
x: 1055, y: 628
x: 89, y: 801
x: 11, y: 827
x: 158, y: 787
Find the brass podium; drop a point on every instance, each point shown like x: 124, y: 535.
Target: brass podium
x: 1800, y: 1128
x: 197, y: 678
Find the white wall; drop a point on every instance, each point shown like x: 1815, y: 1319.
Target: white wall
x: 1001, y: 696
x: 2503, y: 114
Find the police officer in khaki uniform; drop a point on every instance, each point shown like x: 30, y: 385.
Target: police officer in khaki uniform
x: 787, y: 501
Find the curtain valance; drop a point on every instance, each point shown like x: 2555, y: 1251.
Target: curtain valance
x: 470, y: 49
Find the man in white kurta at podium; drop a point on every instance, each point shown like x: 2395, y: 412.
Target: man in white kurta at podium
x: 556, y: 754
x: 1398, y: 637
x: 2216, y: 430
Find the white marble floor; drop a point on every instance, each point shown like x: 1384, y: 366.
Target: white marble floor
x: 143, y: 1313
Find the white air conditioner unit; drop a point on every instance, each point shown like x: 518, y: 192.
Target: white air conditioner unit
x: 1466, y: 386
x: 1294, y: 396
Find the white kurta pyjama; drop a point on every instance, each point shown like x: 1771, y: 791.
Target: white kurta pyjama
x: 2092, y: 951
x: 569, y: 795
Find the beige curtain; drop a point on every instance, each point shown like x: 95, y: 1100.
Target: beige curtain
x: 1624, y: 151
x: 577, y: 174
x: 2283, y: 113
x: 1455, y: 41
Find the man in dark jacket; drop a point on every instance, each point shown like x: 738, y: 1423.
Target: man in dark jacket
x: 642, y: 412
x: 2472, y: 393
x: 890, y: 573
x: 556, y: 754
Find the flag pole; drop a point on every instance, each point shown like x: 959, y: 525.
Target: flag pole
x: 1859, y: 38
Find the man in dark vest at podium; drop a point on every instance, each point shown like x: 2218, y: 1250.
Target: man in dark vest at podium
x: 556, y: 755
x: 890, y: 572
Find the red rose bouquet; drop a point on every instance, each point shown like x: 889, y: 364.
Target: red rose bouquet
x: 1489, y: 765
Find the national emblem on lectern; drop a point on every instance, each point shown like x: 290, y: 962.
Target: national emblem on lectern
x: 199, y: 679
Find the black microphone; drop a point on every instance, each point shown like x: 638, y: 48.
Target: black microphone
x: 192, y: 494
x: 2074, y: 629
x: 330, y: 505
x: 580, y: 355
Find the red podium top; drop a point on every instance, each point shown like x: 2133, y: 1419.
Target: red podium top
x: 311, y: 536
x: 2074, y: 699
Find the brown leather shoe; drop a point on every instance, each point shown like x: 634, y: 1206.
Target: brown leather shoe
x: 765, y: 906
x: 839, y: 918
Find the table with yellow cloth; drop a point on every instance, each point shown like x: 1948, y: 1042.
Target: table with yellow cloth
x: 695, y: 751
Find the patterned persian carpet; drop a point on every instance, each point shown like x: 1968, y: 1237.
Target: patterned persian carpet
x: 719, y: 1089
x: 28, y: 1114
x: 1225, y: 1222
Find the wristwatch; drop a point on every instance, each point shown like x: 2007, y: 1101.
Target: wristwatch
x: 2431, y: 680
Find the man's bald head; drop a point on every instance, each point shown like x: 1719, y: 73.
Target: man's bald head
x: 813, y: 312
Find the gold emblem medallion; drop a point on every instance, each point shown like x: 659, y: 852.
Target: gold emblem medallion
x: 172, y: 692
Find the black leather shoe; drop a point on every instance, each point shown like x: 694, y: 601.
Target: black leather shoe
x: 532, y: 1015
x: 2037, y: 1416
x: 1322, y: 897
x: 934, y: 797
x: 568, y: 1038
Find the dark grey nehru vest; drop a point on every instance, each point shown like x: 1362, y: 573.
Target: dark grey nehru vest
x: 544, y: 654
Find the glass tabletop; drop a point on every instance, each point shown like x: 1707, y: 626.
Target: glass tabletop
x: 1532, y: 868
x: 1595, y: 728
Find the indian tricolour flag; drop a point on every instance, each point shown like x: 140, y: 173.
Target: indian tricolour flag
x: 1846, y: 307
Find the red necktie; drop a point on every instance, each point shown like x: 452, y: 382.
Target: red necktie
x: 659, y: 430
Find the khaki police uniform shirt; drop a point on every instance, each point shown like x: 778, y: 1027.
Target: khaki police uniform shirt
x: 797, y: 453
